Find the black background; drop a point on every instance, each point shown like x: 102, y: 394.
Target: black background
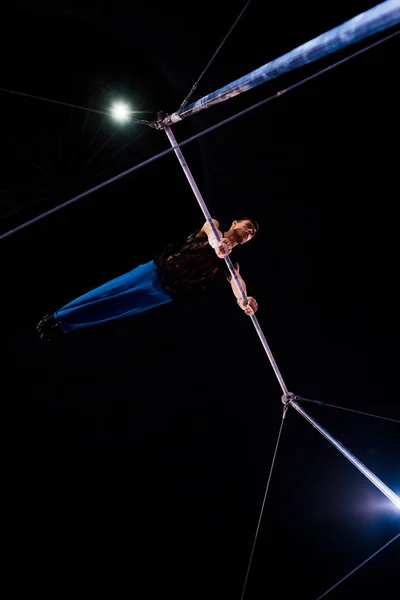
x: 139, y: 451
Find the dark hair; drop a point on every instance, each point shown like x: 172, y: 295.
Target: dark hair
x: 253, y: 222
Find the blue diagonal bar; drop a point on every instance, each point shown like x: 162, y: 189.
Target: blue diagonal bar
x: 379, y: 18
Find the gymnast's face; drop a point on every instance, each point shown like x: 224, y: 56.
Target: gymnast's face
x: 242, y: 231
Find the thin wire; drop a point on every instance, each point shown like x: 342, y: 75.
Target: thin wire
x: 354, y: 570
x: 265, y: 497
x: 100, y: 112
x: 213, y: 56
x: 187, y: 141
x: 360, y: 412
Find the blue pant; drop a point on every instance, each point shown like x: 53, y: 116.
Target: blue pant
x: 131, y: 293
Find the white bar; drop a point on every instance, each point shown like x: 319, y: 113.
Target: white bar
x: 228, y: 261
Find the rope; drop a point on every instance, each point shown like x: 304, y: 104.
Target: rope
x: 354, y: 570
x: 360, y: 412
x: 265, y: 497
x: 194, y: 87
x: 187, y: 141
x: 100, y: 112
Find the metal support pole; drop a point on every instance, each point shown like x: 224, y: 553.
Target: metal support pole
x: 357, y: 463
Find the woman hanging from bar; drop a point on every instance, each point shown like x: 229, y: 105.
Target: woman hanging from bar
x: 177, y: 272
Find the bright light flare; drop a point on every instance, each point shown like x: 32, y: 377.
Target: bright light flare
x: 382, y: 506
x: 120, y: 111
x: 357, y: 463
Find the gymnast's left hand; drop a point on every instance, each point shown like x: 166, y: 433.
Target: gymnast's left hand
x: 251, y: 307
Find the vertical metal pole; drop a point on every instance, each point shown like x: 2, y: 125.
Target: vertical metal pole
x: 228, y: 261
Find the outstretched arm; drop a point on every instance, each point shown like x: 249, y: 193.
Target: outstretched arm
x: 252, y: 305
x: 207, y: 227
